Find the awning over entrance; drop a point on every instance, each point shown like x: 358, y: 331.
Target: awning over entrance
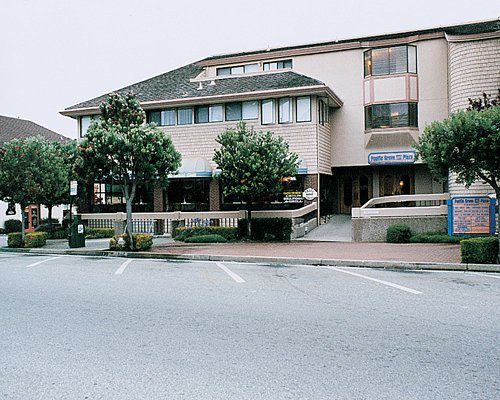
x: 193, y: 168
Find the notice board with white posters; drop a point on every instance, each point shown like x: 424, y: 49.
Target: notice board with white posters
x: 471, y: 215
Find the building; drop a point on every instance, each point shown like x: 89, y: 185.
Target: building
x: 16, y: 128
x: 352, y: 109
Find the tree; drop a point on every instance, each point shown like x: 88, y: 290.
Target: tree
x: 32, y: 171
x: 253, y: 164
x: 121, y: 148
x: 467, y: 143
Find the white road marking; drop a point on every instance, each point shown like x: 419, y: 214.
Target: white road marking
x: 235, y: 277
x: 406, y: 289
x: 120, y: 270
x: 43, y: 261
x: 488, y: 275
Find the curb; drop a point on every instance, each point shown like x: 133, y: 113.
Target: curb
x: 402, y: 265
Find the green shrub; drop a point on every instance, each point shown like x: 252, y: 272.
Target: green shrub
x: 434, y: 237
x: 13, y: 225
x: 267, y: 229
x: 35, y: 239
x: 2, y: 231
x: 206, y: 239
x: 60, y: 233
x: 482, y: 250
x: 15, y: 240
x: 398, y: 233
x: 52, y: 221
x: 143, y: 241
x: 99, y: 233
x: 230, y: 233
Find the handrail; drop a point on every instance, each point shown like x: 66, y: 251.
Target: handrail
x: 405, y: 198
x: 367, y: 210
x: 181, y: 215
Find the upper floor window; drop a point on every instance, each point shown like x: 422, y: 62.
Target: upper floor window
x: 238, y: 69
x: 285, y: 110
x: 212, y: 113
x: 268, y: 112
x: 270, y: 66
x: 85, y: 122
x: 242, y: 110
x: 167, y: 117
x: 390, y: 60
x: 323, y: 111
x: 392, y: 115
x: 303, y: 109
x: 184, y: 116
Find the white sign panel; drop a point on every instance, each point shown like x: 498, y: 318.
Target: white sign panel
x: 73, y: 188
x: 310, y: 194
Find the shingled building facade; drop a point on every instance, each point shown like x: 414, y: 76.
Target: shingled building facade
x: 351, y: 109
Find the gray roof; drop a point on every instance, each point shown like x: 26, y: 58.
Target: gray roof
x: 176, y: 85
x: 15, y: 128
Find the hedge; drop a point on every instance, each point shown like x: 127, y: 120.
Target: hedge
x: 434, y: 237
x: 143, y: 241
x: 230, y: 233
x: 267, y: 229
x: 398, y: 233
x: 99, y: 233
x: 15, y: 240
x: 35, y: 239
x: 482, y: 250
x: 206, y: 239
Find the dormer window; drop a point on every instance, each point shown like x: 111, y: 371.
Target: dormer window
x: 274, y: 65
x: 238, y: 69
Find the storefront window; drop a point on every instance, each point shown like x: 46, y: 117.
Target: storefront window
x: 191, y: 194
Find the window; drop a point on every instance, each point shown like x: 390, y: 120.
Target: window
x: 85, y: 122
x: 242, y: 110
x: 303, y: 109
x: 238, y: 69
x: 285, y: 110
x: 271, y: 66
x: 162, y: 117
x: 268, y: 112
x: 168, y: 117
x: 393, y: 115
x: 212, y: 113
x: 390, y: 60
x: 185, y: 116
x: 250, y: 110
x: 323, y: 111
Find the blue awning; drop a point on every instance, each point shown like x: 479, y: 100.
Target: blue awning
x: 193, y: 168
x: 302, y: 168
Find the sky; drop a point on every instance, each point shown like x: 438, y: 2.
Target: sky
x: 57, y: 53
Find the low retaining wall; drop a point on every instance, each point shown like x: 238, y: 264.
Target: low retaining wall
x: 374, y: 229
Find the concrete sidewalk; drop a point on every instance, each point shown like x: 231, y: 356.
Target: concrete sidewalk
x: 375, y: 255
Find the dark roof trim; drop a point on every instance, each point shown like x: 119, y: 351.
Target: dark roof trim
x: 476, y: 28
x: 148, y: 105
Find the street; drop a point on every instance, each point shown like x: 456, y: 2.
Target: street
x: 113, y: 328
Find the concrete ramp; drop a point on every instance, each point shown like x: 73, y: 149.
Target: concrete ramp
x: 338, y: 229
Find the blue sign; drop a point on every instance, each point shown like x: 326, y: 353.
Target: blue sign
x: 471, y: 215
x: 392, y: 157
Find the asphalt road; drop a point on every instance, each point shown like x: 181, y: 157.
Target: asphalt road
x: 111, y: 328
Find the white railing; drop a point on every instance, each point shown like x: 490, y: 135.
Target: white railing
x: 161, y: 222
x: 410, y: 205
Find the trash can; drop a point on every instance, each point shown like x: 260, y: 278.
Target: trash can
x: 77, y: 233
